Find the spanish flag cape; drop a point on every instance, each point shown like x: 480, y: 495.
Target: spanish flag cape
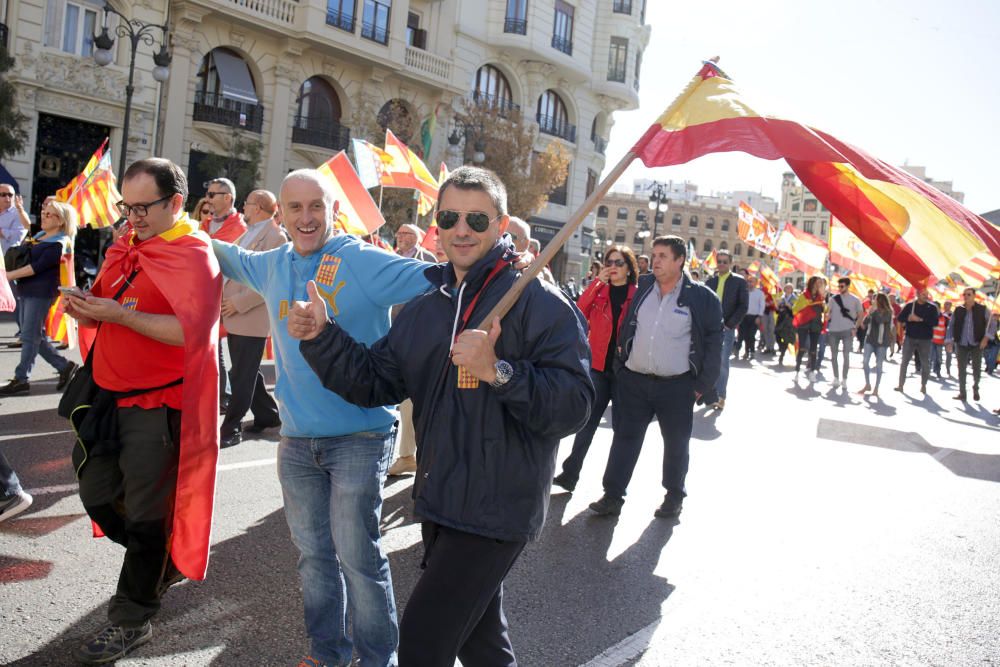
x: 804, y: 310
x: 232, y: 228
x: 181, y: 260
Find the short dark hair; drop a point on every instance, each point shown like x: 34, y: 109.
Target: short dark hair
x: 630, y: 261
x: 844, y: 281
x: 477, y: 178
x: 170, y: 178
x: 675, y: 243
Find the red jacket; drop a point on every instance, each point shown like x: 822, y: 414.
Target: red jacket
x: 595, y: 303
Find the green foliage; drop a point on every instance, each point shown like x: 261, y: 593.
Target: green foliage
x: 240, y: 164
x: 13, y: 123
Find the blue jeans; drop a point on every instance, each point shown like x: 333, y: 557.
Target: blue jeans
x: 33, y: 340
x: 728, y: 337
x: 879, y: 354
x: 333, y: 503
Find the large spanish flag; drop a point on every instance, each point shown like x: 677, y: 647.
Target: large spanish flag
x: 806, y: 252
x: 355, y: 210
x: 917, y: 230
x: 407, y: 170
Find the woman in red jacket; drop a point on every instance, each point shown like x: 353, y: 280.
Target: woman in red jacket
x: 604, y: 304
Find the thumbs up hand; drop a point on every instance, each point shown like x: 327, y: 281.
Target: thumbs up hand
x: 307, y: 319
x: 475, y: 350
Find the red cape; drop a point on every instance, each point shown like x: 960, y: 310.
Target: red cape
x: 183, y: 259
x: 232, y: 228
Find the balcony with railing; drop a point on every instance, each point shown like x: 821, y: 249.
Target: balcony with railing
x: 600, y: 144
x: 325, y: 133
x: 564, y: 44
x: 375, y: 32
x: 220, y: 110
x: 274, y: 11
x: 622, y: 7
x: 557, y: 128
x: 515, y: 26
x: 504, y: 105
x: 425, y: 62
x: 617, y: 74
x: 339, y: 19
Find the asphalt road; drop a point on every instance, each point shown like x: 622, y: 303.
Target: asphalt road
x: 820, y: 529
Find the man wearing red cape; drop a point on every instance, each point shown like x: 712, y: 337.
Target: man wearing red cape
x: 156, y: 302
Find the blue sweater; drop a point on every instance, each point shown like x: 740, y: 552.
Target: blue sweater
x: 360, y: 283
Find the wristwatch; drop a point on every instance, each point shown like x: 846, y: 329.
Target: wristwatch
x: 504, y: 373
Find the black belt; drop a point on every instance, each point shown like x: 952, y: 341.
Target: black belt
x: 661, y: 378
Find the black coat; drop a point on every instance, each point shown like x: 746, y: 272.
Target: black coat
x: 485, y: 456
x: 705, y: 358
x: 735, y: 298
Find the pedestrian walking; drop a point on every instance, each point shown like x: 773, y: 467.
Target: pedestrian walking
x: 490, y: 406
x: 13, y: 499
x: 971, y: 330
x: 669, y: 354
x: 809, y: 313
x: 939, y: 340
x: 880, y: 328
x: 919, y: 318
x: 751, y: 322
x: 604, y: 304
x: 784, y: 330
x: 845, y: 315
x: 731, y: 289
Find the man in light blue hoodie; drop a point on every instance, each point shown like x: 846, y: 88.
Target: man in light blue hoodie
x: 333, y: 455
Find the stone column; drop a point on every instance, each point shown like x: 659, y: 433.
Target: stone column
x: 178, y: 105
x: 276, y: 162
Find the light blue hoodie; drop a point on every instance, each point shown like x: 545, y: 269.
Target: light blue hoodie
x: 361, y: 283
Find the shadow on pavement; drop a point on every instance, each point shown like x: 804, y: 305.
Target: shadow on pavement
x: 965, y: 464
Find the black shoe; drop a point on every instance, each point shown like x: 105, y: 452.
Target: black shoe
x: 112, y: 643
x: 230, y: 440
x: 65, y: 375
x: 565, y: 481
x: 607, y: 506
x: 670, y: 509
x: 223, y: 407
x: 975, y: 394
x: 260, y: 428
x: 14, y: 387
x: 15, y: 345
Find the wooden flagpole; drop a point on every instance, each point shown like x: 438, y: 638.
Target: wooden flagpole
x: 555, y: 245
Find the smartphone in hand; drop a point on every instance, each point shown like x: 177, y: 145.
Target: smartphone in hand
x: 73, y: 291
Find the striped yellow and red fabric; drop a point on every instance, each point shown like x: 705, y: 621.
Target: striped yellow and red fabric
x: 64, y: 193
x: 94, y: 192
x: 979, y: 269
x: 58, y: 325
x: 407, y: 170
x: 804, y: 251
x: 916, y: 229
x: 354, y: 209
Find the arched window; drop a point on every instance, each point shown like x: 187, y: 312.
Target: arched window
x: 750, y: 253
x: 225, y: 92
x: 640, y: 215
x: 395, y: 115
x: 693, y: 242
x: 725, y: 224
x: 620, y: 236
x: 658, y: 217
x: 602, y: 211
x: 552, y: 116
x: 737, y: 250
x: 317, y: 120
x: 676, y: 221
x: 492, y: 88
x: 693, y: 222
x: 723, y: 246
x: 708, y: 245
x: 710, y: 223
x: 623, y: 213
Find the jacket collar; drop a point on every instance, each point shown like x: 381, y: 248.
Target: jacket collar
x: 444, y: 274
x: 648, y: 282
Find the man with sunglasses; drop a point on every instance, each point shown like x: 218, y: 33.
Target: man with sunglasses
x: 489, y: 408
x: 151, y: 489
x: 333, y: 456
x: 731, y: 288
x: 14, y: 220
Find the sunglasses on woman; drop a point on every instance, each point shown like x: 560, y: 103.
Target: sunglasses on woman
x: 479, y: 222
x: 615, y: 262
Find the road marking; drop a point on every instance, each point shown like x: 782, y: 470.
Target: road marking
x: 22, y: 436
x: 942, y: 453
x: 627, y: 649
x: 63, y: 488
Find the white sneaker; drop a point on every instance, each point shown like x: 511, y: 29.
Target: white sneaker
x: 836, y: 383
x: 14, y: 505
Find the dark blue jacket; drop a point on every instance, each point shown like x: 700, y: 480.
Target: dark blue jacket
x: 705, y: 359
x: 735, y: 298
x: 485, y: 456
x: 44, y: 258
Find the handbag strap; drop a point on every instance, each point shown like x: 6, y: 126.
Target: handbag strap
x: 121, y: 290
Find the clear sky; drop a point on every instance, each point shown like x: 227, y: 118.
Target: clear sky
x: 906, y: 80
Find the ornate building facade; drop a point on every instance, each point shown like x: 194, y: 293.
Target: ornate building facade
x: 303, y: 76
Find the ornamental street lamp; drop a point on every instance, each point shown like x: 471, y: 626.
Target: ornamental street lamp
x: 462, y: 133
x: 135, y: 31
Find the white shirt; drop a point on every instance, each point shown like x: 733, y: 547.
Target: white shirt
x: 662, y: 344
x: 756, y: 303
x: 13, y: 230
x: 837, y: 320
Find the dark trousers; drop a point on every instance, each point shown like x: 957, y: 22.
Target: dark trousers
x: 9, y: 483
x: 456, y: 608
x: 922, y: 348
x: 638, y: 399
x: 808, y: 344
x: 129, y: 494
x: 967, y: 353
x: 224, y: 394
x: 748, y: 335
x: 604, y: 384
x: 247, y: 382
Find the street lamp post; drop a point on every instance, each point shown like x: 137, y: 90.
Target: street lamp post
x: 658, y: 203
x: 135, y: 31
x: 462, y: 133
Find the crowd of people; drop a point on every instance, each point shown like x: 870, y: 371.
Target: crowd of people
x: 356, y: 331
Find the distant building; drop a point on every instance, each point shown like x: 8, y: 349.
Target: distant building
x: 946, y: 187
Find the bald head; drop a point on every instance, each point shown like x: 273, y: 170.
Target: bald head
x: 520, y: 232
x: 259, y: 206
x: 407, y: 238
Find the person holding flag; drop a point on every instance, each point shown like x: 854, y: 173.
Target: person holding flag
x: 808, y: 314
x: 151, y: 488
x: 731, y: 289
x: 333, y: 456
x: 37, y: 288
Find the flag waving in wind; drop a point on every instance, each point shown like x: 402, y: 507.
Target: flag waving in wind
x: 94, y: 191
x: 355, y: 210
x: 920, y: 232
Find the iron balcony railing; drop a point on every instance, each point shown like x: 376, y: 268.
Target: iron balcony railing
x: 600, y: 144
x: 321, y: 132
x: 516, y: 26
x: 564, y: 44
x: 557, y: 128
x: 376, y: 33
x: 215, y: 108
x: 339, y: 19
x: 617, y: 74
x: 504, y: 105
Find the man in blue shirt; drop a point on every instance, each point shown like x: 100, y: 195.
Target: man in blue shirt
x: 333, y: 455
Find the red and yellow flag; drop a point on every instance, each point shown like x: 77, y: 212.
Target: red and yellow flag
x: 354, y: 209
x: 407, y: 170
x: 755, y: 230
x: 803, y: 250
x: 917, y: 230
x: 709, y: 262
x: 58, y: 325
x: 64, y: 193
x: 94, y: 191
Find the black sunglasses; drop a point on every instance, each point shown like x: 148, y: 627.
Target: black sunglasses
x: 479, y: 222
x: 615, y: 262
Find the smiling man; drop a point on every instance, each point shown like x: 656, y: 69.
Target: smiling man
x: 489, y: 408
x: 333, y: 455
